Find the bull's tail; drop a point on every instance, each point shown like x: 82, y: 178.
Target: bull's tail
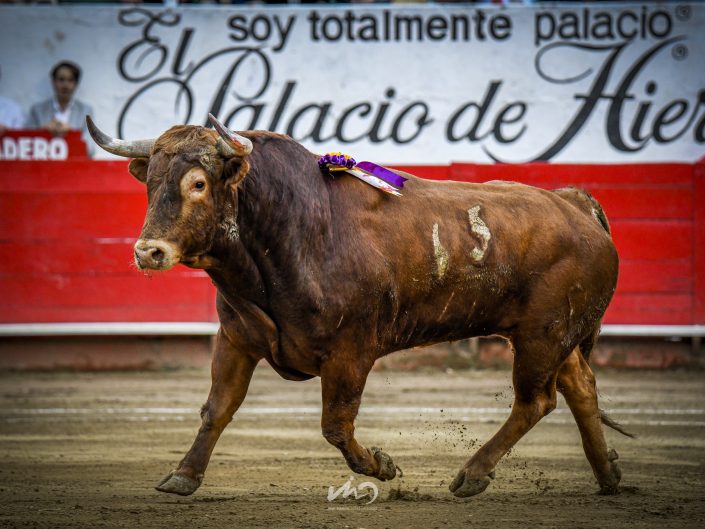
x: 585, y: 202
x: 608, y: 421
x: 585, y: 348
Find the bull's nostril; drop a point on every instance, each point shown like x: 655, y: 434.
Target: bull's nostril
x: 154, y: 254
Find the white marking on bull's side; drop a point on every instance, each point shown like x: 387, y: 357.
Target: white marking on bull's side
x: 479, y: 228
x: 440, y: 253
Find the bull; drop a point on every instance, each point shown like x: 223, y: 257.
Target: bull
x: 321, y: 277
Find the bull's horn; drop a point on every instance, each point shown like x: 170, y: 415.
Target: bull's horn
x: 129, y: 149
x: 230, y: 143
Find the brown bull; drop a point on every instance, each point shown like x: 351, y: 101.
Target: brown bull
x: 322, y: 276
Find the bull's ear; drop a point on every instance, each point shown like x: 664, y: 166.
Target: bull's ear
x: 235, y: 170
x: 138, y: 168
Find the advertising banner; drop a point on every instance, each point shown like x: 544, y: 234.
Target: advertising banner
x: 398, y: 85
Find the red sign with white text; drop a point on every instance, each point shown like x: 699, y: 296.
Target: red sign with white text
x: 41, y: 145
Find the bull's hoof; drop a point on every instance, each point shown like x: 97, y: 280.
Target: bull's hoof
x: 174, y: 483
x: 464, y: 487
x: 387, y: 468
x: 609, y: 484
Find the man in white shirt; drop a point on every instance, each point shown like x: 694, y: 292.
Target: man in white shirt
x: 62, y: 112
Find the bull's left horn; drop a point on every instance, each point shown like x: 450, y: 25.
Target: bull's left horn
x: 232, y: 144
x: 128, y: 149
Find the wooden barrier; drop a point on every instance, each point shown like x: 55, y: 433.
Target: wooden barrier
x: 67, y: 230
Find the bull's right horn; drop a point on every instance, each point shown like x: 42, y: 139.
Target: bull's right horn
x: 232, y: 143
x: 128, y: 149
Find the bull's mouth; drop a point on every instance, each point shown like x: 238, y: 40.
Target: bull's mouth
x: 147, y: 267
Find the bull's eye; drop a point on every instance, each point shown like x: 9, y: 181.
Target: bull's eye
x: 200, y: 185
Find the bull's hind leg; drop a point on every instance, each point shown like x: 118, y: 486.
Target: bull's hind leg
x: 231, y: 371
x: 342, y: 383
x: 536, y: 365
x: 577, y: 384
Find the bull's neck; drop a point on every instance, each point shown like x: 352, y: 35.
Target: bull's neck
x: 284, y: 220
x: 284, y: 211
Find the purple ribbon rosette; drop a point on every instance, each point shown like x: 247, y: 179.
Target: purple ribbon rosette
x: 338, y: 160
x: 370, y: 173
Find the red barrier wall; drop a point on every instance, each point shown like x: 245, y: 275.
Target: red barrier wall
x: 66, y: 250
x: 66, y: 231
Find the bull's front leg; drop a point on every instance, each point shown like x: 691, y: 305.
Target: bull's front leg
x: 342, y: 383
x: 231, y: 371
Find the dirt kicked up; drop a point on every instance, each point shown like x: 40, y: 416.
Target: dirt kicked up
x: 85, y: 450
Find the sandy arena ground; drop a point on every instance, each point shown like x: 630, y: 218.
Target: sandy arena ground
x: 85, y: 450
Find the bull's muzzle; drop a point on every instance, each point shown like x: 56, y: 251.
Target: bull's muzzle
x: 154, y: 254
